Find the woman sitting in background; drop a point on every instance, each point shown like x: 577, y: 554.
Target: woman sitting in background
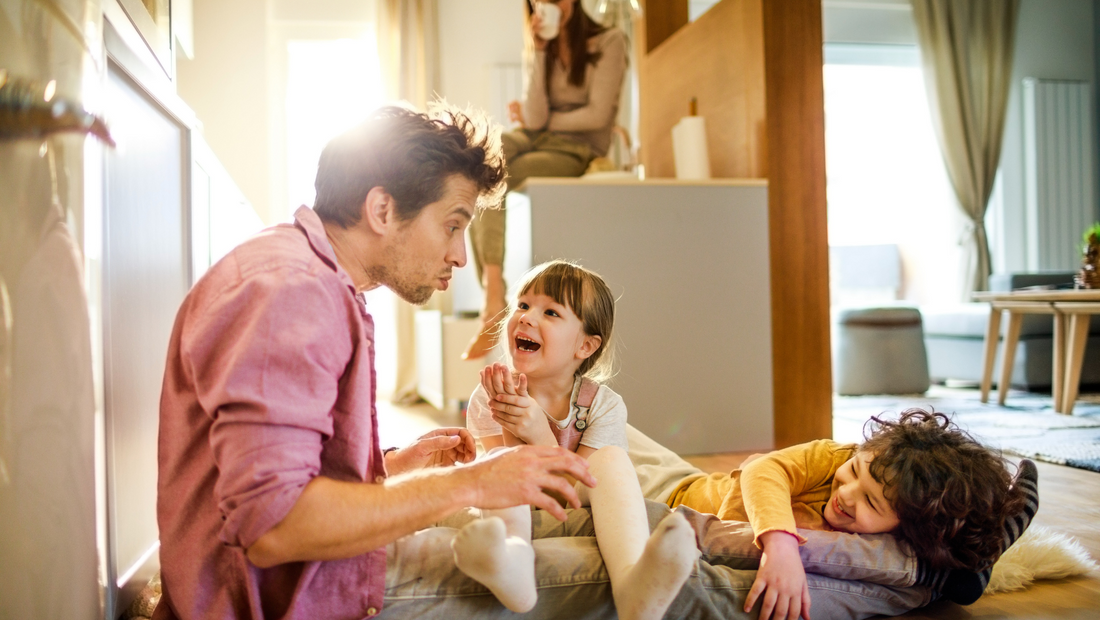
x: 574, y: 75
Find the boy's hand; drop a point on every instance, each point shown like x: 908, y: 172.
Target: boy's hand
x: 781, y: 580
x: 518, y: 413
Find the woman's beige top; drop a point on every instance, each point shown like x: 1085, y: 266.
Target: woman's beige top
x: 586, y: 112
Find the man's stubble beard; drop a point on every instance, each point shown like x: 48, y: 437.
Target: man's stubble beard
x: 415, y: 294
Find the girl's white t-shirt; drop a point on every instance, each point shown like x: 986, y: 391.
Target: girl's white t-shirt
x: 606, y: 420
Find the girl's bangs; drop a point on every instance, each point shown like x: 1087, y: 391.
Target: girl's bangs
x: 561, y: 282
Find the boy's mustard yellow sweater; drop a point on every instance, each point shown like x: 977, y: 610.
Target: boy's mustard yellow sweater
x: 781, y: 490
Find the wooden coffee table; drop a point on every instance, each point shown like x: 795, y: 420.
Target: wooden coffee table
x: 1070, y: 308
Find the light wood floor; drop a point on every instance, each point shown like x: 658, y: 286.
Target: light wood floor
x: 1069, y: 502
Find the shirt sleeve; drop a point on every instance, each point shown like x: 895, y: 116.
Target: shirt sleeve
x: 606, y: 421
x: 605, y: 83
x: 479, y: 418
x: 769, y: 482
x: 536, y: 102
x: 266, y: 357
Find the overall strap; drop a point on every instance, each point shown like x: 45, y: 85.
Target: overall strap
x: 587, y: 393
x: 570, y: 436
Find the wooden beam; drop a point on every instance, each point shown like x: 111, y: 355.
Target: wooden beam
x: 798, y: 223
x: 695, y: 62
x: 662, y: 18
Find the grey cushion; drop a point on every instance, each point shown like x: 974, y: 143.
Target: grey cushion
x: 970, y: 321
x: 1000, y: 282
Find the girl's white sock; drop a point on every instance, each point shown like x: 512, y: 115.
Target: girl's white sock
x: 650, y: 586
x: 504, y: 564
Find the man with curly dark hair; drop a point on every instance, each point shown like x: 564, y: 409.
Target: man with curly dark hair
x: 920, y: 477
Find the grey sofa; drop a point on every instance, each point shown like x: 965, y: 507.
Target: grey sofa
x: 954, y: 337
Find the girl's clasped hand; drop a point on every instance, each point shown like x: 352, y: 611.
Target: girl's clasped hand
x: 513, y: 408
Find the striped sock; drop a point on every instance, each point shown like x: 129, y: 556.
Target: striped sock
x: 965, y: 586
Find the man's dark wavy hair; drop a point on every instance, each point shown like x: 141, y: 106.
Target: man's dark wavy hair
x: 410, y: 155
x: 952, y: 494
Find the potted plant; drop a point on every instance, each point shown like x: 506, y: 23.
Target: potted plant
x: 1089, y: 275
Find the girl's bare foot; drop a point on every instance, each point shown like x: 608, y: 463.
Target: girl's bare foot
x: 486, y: 337
x: 492, y: 280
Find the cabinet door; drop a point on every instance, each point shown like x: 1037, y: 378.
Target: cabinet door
x: 146, y: 273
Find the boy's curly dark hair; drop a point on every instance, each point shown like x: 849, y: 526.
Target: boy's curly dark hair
x: 951, y: 494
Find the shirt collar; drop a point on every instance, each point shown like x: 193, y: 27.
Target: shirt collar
x: 310, y: 223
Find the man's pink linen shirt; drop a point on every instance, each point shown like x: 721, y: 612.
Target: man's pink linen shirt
x: 269, y: 383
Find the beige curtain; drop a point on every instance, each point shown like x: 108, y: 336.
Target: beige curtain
x: 966, y: 49
x: 408, y: 50
x: 408, y: 47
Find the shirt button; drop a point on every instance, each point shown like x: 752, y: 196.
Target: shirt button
x: 371, y: 611
x: 379, y: 479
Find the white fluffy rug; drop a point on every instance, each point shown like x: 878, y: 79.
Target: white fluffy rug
x: 1039, y: 554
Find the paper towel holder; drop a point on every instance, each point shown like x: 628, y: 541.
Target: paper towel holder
x: 689, y: 145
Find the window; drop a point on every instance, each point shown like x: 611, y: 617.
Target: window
x: 332, y: 84
x: 887, y: 183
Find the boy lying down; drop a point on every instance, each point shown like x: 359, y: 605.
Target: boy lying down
x: 934, y: 509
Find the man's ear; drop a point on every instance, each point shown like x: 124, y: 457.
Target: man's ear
x: 379, y: 210
x: 590, y: 345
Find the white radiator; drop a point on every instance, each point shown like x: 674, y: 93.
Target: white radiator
x: 1059, y: 172
x: 505, y: 84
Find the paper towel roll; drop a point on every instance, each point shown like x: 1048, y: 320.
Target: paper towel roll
x: 689, y: 147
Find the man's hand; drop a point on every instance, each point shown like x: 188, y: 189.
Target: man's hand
x: 518, y: 413
x: 523, y: 475
x: 781, y: 580
x: 442, y: 447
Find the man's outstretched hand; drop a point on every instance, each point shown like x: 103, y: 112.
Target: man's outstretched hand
x: 442, y: 447
x: 523, y: 475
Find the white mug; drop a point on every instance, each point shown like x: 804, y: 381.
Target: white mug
x: 550, y: 15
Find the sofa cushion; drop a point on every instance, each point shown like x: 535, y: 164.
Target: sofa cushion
x: 1001, y: 282
x: 970, y: 321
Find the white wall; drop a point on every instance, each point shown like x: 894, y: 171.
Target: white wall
x: 1055, y: 39
x: 227, y: 86
x: 474, y: 35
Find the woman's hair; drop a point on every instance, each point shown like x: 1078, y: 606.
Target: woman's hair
x: 951, y: 494
x: 588, y: 296
x: 410, y: 155
x: 581, y: 28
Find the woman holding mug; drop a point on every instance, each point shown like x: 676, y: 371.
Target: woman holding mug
x: 574, y: 74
